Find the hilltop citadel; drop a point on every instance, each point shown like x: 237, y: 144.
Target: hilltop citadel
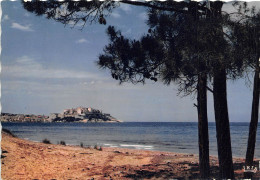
x: 79, y: 114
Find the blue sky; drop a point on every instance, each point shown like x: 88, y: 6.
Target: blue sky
x: 47, y: 67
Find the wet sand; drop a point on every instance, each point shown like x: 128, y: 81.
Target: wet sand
x: 23, y: 159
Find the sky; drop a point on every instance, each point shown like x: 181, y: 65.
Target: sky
x: 47, y: 67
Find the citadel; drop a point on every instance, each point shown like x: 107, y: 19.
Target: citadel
x: 79, y: 114
x: 82, y: 114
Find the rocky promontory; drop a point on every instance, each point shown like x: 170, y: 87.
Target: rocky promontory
x: 79, y: 114
x: 82, y: 114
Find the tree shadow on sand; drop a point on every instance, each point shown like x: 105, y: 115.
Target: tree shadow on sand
x: 183, y: 170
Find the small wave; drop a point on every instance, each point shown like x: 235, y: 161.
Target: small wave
x: 111, y: 145
x: 148, y: 148
x: 108, y: 144
x: 137, y: 146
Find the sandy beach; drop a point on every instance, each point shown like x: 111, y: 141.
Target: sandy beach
x: 23, y: 159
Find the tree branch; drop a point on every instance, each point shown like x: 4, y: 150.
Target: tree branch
x: 210, y: 89
x: 148, y: 4
x: 179, y: 6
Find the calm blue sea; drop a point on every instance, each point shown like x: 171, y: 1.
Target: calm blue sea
x: 163, y: 136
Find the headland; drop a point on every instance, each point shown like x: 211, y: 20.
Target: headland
x: 79, y: 114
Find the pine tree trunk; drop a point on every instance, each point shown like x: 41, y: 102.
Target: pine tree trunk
x: 254, y: 121
x: 203, y: 127
x: 226, y: 169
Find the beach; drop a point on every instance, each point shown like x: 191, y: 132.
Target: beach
x: 23, y: 159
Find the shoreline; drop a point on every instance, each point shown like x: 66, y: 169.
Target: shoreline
x: 23, y: 159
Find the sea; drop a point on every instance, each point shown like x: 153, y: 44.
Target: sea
x: 179, y: 137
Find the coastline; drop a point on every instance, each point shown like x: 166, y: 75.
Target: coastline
x: 24, y: 159
x: 79, y: 114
